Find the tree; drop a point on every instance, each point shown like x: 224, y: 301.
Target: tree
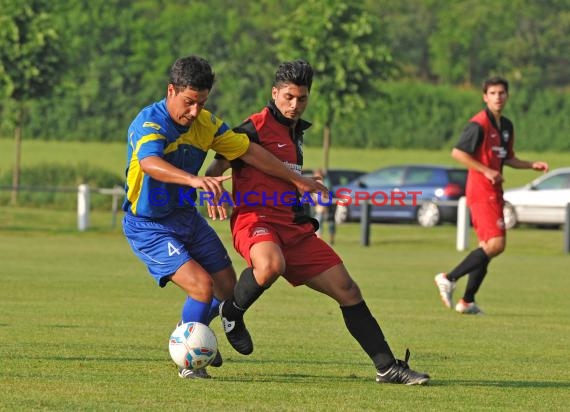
x: 408, y: 25
x: 124, y: 64
x: 30, y: 62
x: 236, y: 39
x: 344, y: 45
x: 524, y: 40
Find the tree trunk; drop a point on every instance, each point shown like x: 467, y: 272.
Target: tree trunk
x: 327, y: 141
x: 18, y: 156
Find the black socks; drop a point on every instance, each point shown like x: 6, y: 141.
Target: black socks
x: 475, y: 279
x: 475, y: 260
x: 365, y: 329
x: 475, y: 264
x: 246, y: 291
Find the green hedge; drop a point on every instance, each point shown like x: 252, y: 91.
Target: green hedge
x: 413, y: 116
x: 53, y: 185
x: 424, y: 116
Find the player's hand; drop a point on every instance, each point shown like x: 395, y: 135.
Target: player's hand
x: 212, y: 185
x: 540, y: 166
x: 217, y: 210
x: 494, y: 176
x: 310, y: 185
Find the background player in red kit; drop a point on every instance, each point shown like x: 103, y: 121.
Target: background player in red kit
x: 277, y: 239
x: 484, y: 147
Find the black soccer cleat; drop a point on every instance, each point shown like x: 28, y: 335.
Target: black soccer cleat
x: 400, y: 372
x: 218, y: 360
x: 236, y: 332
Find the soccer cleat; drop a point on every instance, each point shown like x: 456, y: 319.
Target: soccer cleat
x: 400, y: 372
x: 193, y: 374
x: 218, y: 360
x: 468, y: 308
x: 236, y: 332
x: 446, y: 288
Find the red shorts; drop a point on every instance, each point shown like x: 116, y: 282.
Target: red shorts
x: 306, y: 255
x: 487, y: 218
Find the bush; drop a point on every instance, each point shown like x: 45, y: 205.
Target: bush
x: 425, y: 116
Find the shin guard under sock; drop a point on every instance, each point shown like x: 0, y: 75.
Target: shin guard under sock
x: 367, y: 332
x: 474, y: 260
x: 195, y: 311
x: 475, y: 280
x: 246, y: 293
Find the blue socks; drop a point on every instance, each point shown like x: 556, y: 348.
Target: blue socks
x: 196, y: 311
x: 214, y: 309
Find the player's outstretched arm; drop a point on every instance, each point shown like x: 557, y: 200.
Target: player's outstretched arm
x: 260, y: 158
x: 517, y: 163
x: 218, y: 167
x: 160, y: 169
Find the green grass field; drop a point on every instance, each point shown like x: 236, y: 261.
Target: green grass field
x: 83, y: 327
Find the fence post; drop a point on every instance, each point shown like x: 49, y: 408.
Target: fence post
x: 117, y: 192
x: 462, y: 224
x: 567, y: 229
x: 365, y: 224
x: 83, y: 203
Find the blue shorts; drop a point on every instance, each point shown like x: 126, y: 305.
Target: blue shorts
x: 166, y: 244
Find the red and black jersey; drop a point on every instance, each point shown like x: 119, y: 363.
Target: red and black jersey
x: 491, y: 145
x: 253, y: 190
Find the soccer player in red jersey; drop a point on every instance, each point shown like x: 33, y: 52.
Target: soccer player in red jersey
x: 484, y: 147
x: 277, y: 239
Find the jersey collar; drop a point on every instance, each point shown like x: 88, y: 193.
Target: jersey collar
x: 491, y: 117
x: 302, y: 125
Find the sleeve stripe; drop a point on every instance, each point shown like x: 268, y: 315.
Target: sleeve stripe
x: 221, y: 130
x: 148, y: 138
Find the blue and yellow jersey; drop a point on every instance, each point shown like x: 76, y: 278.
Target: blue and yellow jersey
x: 154, y: 133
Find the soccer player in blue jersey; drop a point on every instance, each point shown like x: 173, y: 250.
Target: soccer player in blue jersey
x: 167, y: 144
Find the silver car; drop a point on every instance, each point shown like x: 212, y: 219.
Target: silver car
x: 541, y: 202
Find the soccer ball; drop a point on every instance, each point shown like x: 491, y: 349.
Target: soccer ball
x: 192, y: 345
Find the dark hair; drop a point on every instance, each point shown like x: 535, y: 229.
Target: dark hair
x: 191, y: 71
x: 493, y: 81
x: 298, y: 72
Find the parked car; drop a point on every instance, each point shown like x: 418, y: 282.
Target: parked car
x: 339, y: 176
x: 423, y: 193
x: 336, y: 177
x: 542, y: 202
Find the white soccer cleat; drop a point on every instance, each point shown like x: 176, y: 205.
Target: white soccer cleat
x: 468, y: 308
x: 193, y: 374
x: 446, y: 288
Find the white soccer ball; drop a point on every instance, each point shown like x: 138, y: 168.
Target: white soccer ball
x: 192, y: 345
